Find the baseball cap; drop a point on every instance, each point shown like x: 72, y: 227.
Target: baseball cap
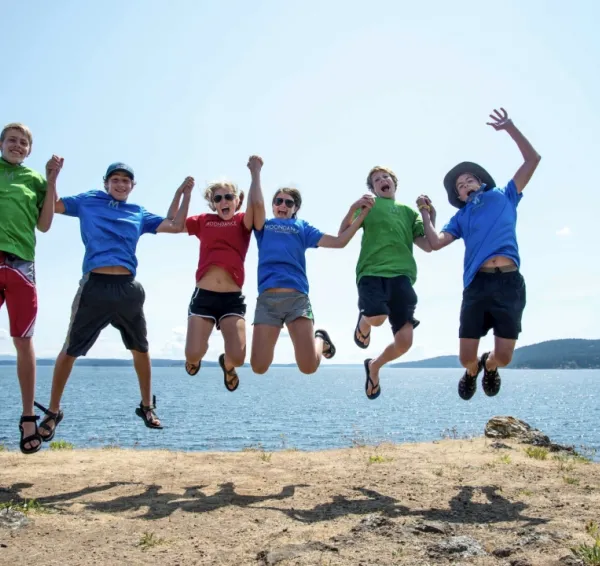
x: 114, y: 167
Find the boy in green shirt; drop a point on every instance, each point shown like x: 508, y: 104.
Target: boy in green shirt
x: 26, y: 202
x: 386, y: 271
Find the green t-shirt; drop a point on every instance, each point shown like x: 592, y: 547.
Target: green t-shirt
x: 387, y: 242
x: 22, y: 193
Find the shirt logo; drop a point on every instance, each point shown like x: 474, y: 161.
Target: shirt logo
x: 282, y: 228
x: 113, y: 204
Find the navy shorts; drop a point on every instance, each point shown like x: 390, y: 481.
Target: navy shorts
x: 493, y: 300
x: 391, y: 296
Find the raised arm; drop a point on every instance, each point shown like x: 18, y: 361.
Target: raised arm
x: 501, y: 121
x: 180, y: 207
x: 367, y: 200
x: 341, y: 240
x: 256, y: 200
x: 255, y: 164
x: 436, y: 241
x: 48, y: 209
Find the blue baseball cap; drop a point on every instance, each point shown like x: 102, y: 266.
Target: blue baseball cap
x: 114, y: 167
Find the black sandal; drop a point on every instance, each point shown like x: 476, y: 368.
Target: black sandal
x: 50, y: 416
x: 142, y: 410
x: 323, y: 335
x: 467, y: 386
x: 29, y: 439
x: 491, y: 378
x: 195, y: 368
x: 375, y: 389
x: 228, y: 373
x: 365, y: 337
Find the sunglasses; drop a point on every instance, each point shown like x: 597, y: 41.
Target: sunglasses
x: 219, y: 198
x: 288, y: 202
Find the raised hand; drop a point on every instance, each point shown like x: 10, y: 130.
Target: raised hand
x: 187, y: 185
x: 366, y: 201
x: 500, y: 120
x: 53, y: 168
x: 424, y: 203
x: 255, y: 164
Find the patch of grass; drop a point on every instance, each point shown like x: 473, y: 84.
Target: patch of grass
x: 25, y: 506
x: 525, y: 493
x: 505, y: 459
x: 570, y: 480
x: 60, y: 445
x: 148, y: 540
x: 378, y: 459
x: 111, y: 446
x: 266, y: 457
x: 258, y: 447
x: 3, y: 448
x: 585, y: 454
x: 537, y: 452
x: 449, y: 433
x: 565, y: 462
x: 589, y: 554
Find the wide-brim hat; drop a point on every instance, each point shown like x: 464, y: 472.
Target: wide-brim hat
x: 461, y: 169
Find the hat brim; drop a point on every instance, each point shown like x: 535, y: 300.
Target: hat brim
x: 461, y: 169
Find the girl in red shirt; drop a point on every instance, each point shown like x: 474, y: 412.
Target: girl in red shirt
x: 217, y: 300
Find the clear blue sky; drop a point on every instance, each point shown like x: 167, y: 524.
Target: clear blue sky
x: 323, y: 91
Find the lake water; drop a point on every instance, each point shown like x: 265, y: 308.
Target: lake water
x: 285, y: 409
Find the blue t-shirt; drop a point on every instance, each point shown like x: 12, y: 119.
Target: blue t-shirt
x: 110, y: 229
x: 282, y: 244
x: 488, y: 226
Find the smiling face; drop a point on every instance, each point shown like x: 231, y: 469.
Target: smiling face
x: 284, y: 205
x: 225, y: 202
x: 466, y: 184
x: 382, y: 182
x: 119, y: 185
x: 16, y: 146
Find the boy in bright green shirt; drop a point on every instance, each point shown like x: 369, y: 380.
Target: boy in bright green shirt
x: 386, y: 271
x: 26, y: 202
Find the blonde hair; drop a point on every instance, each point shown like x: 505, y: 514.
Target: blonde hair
x: 385, y: 170
x: 294, y: 193
x: 209, y: 193
x: 21, y: 128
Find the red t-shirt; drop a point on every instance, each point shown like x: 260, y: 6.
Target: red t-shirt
x: 223, y: 243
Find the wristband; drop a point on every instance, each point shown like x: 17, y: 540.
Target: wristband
x: 422, y: 206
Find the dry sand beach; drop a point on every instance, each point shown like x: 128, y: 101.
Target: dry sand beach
x: 447, y: 502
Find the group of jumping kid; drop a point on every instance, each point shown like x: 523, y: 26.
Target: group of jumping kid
x: 386, y: 271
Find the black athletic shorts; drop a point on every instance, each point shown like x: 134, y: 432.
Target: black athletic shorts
x: 392, y: 296
x: 493, y: 300
x: 215, y: 305
x: 101, y: 300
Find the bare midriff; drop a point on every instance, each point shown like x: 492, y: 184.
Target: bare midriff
x: 498, y: 261
x: 112, y: 270
x: 219, y: 280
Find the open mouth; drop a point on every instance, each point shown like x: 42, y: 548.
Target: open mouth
x: 282, y: 213
x: 225, y: 210
x: 470, y: 192
x: 385, y: 189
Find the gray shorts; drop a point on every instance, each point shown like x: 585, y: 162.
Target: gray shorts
x: 277, y: 309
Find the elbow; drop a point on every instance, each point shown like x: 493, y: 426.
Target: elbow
x: 436, y: 246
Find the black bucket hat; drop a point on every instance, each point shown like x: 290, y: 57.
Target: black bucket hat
x: 461, y: 169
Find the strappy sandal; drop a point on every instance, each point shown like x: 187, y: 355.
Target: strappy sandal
x: 228, y: 373
x: 323, y: 335
x: 361, y: 343
x: 491, y: 378
x: 142, y: 410
x: 50, y: 416
x: 29, y: 439
x: 375, y: 389
x: 192, y: 369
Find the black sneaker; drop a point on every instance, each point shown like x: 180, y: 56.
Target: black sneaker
x: 491, y: 381
x: 468, y: 384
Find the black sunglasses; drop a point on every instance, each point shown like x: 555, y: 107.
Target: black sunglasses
x: 288, y: 202
x: 219, y: 198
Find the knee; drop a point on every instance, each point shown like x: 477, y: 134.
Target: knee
x: 259, y: 367
x: 467, y: 359
x: 503, y: 358
x: 23, y: 345
x: 236, y: 357
x: 377, y: 320
x: 196, y: 352
x: 308, y: 368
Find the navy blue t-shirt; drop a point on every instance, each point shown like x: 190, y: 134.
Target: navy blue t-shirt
x: 488, y: 225
x: 282, y: 244
x: 110, y: 229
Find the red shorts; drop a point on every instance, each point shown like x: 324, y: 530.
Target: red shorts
x: 17, y: 288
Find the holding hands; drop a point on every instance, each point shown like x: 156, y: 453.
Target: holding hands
x: 255, y: 164
x: 53, y: 168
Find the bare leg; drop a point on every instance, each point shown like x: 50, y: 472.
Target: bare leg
x: 26, y: 375
x: 143, y: 369
x: 264, y: 339
x: 502, y: 354
x: 307, y: 348
x: 233, y: 329
x: 196, y: 344
x: 468, y: 355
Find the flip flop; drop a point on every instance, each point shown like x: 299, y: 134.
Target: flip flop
x: 325, y: 337
x: 365, y: 337
x: 195, y: 368
x: 229, y: 373
x: 142, y: 410
x: 374, y: 387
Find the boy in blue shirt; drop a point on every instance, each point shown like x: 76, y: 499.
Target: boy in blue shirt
x: 108, y: 292
x: 494, y: 289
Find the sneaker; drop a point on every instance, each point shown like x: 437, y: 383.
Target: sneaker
x: 491, y: 381
x: 468, y: 384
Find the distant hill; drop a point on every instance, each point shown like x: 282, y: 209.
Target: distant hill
x: 570, y: 353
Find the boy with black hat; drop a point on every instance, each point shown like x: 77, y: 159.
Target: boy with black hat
x: 494, y: 289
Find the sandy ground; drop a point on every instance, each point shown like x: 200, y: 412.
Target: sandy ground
x: 403, y: 504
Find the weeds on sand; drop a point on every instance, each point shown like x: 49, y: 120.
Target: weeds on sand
x: 25, y: 506
x: 148, y: 540
x: 378, y: 459
x: 536, y: 452
x: 3, y: 448
x: 589, y: 554
x: 266, y: 457
x: 570, y: 481
x: 505, y: 459
x: 60, y: 445
x: 258, y: 447
x: 525, y: 493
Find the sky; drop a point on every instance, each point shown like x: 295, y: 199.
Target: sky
x: 323, y: 91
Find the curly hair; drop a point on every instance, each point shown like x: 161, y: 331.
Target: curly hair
x: 209, y: 193
x: 294, y: 194
x: 385, y: 170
